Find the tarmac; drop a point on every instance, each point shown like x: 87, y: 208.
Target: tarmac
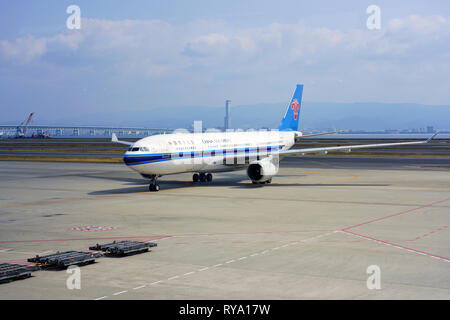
x: 313, y: 233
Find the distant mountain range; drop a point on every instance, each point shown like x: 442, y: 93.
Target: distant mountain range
x: 314, y: 115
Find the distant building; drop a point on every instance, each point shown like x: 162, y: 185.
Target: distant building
x: 391, y: 131
x: 430, y: 129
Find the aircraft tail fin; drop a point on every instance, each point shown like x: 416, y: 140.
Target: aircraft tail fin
x: 290, y: 120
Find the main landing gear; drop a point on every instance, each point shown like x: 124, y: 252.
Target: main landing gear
x: 202, y: 177
x: 154, y: 186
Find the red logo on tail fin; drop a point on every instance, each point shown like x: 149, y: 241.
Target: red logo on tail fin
x: 296, y: 107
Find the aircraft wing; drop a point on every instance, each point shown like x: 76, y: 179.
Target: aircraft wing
x: 325, y: 150
x: 114, y: 139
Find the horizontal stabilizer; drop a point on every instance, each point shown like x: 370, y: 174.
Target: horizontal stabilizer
x: 115, y: 140
x: 320, y: 134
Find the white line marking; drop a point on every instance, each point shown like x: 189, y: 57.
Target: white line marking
x: 140, y: 287
x: 219, y: 264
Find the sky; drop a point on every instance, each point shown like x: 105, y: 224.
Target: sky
x: 144, y: 54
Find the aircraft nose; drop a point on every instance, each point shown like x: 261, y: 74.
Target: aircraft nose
x: 133, y: 160
x: 127, y: 159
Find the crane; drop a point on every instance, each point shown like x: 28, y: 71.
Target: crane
x: 22, y: 128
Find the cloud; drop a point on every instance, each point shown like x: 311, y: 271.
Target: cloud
x: 421, y: 25
x: 161, y: 42
x: 70, y: 40
x: 211, y: 53
x: 23, y: 50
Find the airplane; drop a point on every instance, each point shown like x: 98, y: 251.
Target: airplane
x: 204, y: 153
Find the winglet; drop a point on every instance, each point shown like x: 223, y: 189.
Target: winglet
x: 114, y: 138
x: 431, y: 138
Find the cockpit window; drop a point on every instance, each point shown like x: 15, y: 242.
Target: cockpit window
x: 133, y: 149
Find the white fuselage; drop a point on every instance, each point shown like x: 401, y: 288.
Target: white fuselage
x: 204, y: 152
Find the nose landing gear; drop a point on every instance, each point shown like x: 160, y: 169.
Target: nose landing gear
x: 154, y: 186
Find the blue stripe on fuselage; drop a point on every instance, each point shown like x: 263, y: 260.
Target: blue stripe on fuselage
x: 132, y: 160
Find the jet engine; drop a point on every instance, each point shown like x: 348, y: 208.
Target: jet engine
x: 262, y: 171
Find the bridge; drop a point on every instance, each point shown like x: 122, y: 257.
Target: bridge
x: 80, y: 131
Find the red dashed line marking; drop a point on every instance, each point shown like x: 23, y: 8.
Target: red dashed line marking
x: 396, y: 214
x: 429, y: 233
x: 397, y: 246
x: 246, y: 233
x: 21, y: 261
x: 156, y: 237
x: 340, y: 241
x: 93, y: 228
